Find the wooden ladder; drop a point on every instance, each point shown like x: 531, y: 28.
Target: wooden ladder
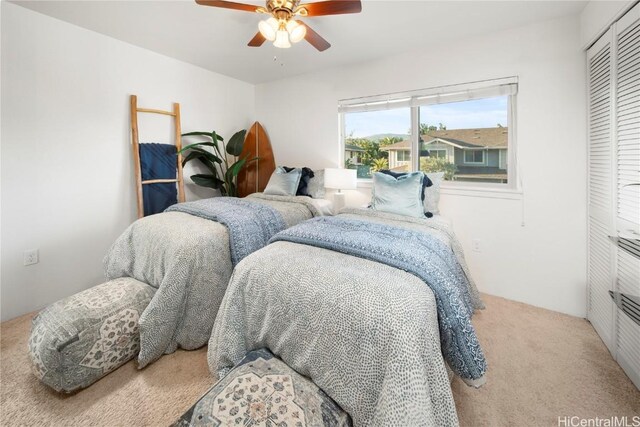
x: 136, y: 151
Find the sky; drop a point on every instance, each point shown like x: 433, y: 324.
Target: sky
x: 479, y: 113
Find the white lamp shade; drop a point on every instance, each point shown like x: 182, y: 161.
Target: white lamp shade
x: 296, y: 31
x: 268, y: 28
x: 340, y: 179
x: 282, y: 39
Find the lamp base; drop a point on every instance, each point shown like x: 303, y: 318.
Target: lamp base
x: 338, y: 202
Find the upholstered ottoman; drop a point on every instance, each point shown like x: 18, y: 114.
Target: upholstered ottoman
x: 78, y: 340
x: 262, y: 390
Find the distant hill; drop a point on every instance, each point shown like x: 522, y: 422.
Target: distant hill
x: 380, y: 136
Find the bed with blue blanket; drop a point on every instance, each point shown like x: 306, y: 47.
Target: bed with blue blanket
x: 371, y: 306
x: 188, y: 253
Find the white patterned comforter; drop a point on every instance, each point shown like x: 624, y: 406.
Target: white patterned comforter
x: 187, y: 259
x: 364, y: 332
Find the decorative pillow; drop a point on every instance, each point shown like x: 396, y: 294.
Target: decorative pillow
x: 316, y: 185
x: 398, y: 195
x: 261, y: 390
x: 76, y: 341
x: 432, y: 194
x: 306, y: 176
x: 283, y: 183
x: 425, y: 183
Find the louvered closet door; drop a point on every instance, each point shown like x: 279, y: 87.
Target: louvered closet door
x: 601, y: 255
x: 628, y: 197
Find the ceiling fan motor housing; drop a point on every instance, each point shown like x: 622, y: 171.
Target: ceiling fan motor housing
x: 285, y: 9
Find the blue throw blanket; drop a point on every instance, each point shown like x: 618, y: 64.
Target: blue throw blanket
x: 158, y: 161
x: 250, y: 224
x: 419, y: 254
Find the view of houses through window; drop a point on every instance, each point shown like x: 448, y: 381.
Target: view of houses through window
x: 467, y: 140
x: 368, y: 137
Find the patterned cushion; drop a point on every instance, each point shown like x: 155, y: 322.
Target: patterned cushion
x: 78, y: 340
x: 262, y: 390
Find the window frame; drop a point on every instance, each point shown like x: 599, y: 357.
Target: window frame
x: 442, y: 95
x: 439, y: 150
x: 484, y: 157
x: 404, y: 155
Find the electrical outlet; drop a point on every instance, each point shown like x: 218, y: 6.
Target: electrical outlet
x: 30, y: 257
x: 475, y: 245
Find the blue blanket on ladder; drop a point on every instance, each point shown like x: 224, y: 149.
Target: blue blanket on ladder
x: 420, y: 254
x: 158, y: 161
x: 250, y: 224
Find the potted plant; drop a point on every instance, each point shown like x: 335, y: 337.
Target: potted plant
x: 222, y: 175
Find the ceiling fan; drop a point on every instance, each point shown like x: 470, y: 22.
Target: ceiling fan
x: 281, y: 28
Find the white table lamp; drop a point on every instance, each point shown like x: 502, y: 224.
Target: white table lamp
x: 340, y: 179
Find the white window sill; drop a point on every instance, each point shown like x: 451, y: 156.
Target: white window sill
x: 491, y: 192
x: 482, y: 191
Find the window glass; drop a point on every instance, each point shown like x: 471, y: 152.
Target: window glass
x: 473, y: 136
x: 473, y: 156
x: 438, y: 153
x: 377, y: 140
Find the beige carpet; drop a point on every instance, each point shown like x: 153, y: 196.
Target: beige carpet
x: 541, y: 365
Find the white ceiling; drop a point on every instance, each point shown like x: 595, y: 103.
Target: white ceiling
x: 216, y: 39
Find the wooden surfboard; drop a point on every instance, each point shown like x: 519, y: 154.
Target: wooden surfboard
x: 254, y: 177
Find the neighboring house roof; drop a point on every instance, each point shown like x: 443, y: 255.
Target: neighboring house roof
x: 350, y: 147
x: 461, y: 138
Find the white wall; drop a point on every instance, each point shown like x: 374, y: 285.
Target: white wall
x: 597, y: 17
x: 67, y: 175
x: 543, y: 262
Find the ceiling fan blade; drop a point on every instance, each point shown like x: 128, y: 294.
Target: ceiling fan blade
x: 227, y: 5
x: 257, y: 40
x: 315, y: 39
x: 332, y: 7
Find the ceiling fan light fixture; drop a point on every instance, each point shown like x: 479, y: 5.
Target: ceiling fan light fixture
x: 296, y: 31
x: 269, y: 28
x: 300, y: 11
x: 282, y: 40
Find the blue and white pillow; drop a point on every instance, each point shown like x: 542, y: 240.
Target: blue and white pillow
x: 402, y: 195
x: 283, y: 183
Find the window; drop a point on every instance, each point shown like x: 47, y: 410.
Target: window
x: 476, y: 130
x: 378, y: 136
x: 465, y: 131
x: 438, y: 154
x: 474, y: 157
x: 404, y: 156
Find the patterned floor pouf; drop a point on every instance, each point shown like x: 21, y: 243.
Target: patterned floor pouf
x: 76, y: 341
x: 260, y: 391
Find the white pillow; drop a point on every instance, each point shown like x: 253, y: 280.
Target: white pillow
x: 432, y: 194
x: 316, y: 185
x: 283, y: 183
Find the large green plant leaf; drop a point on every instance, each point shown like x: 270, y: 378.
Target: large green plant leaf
x: 209, y: 134
x: 209, y: 165
x: 234, y: 169
x: 235, y: 144
x: 203, y: 159
x: 195, y: 155
x: 198, y: 144
x: 197, y: 134
x: 210, y: 181
x: 208, y: 154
